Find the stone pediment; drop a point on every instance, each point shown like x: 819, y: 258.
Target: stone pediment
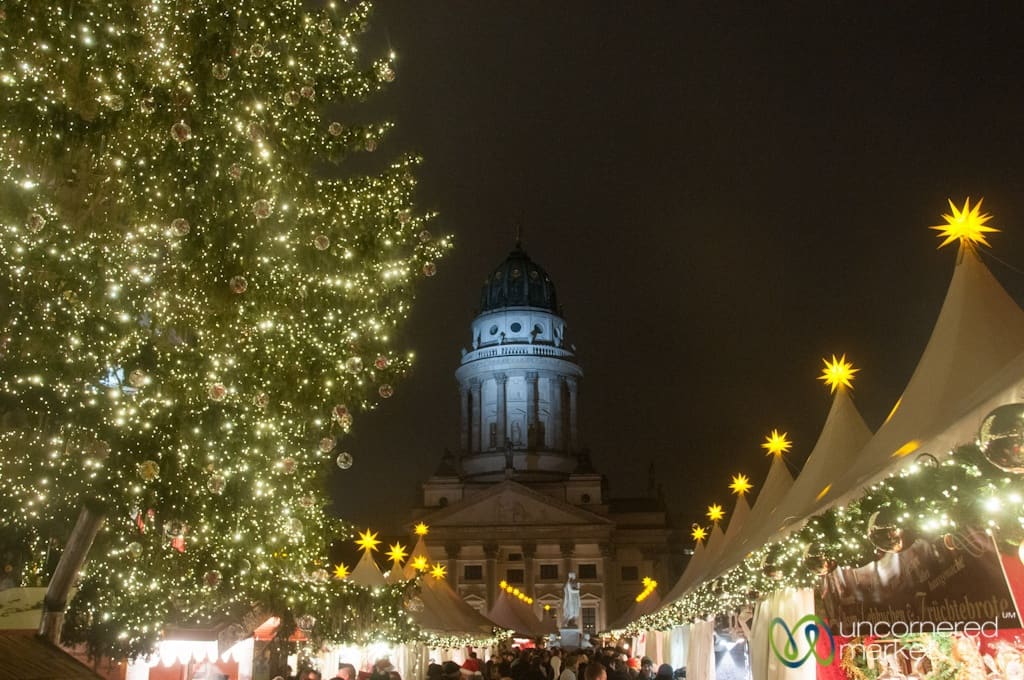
x: 509, y: 503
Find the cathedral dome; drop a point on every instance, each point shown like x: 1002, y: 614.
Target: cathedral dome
x: 518, y: 282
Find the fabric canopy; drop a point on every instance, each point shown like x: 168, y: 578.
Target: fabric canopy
x: 514, y: 614
x: 444, y: 612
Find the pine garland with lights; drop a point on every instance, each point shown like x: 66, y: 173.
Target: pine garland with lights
x: 192, y: 317
x: 928, y: 499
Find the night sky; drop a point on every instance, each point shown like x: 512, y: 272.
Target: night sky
x: 722, y: 193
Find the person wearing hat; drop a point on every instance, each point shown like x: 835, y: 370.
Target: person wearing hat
x: 664, y: 672
x: 451, y: 671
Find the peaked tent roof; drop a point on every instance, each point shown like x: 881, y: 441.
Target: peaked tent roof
x: 696, y: 567
x: 444, y: 612
x: 636, y: 610
x: 513, y: 614
x: 419, y: 550
x: 677, y: 589
x: 776, y: 485
x: 367, y: 573
x: 978, y: 334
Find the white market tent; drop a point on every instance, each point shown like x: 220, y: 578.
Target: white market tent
x: 514, y: 614
x: 367, y: 573
x: 445, y: 613
x: 635, y: 611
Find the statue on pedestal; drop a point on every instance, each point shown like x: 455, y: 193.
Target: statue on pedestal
x: 571, y: 602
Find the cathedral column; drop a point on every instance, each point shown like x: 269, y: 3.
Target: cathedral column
x: 490, y: 572
x: 555, y: 413
x: 474, y: 423
x: 531, y: 410
x: 529, y: 551
x: 464, y: 422
x: 452, y: 552
x: 574, y: 433
x: 502, y: 381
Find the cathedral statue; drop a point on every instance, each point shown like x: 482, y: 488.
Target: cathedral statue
x: 571, y: 601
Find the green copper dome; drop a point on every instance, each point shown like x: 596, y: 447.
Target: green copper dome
x: 518, y: 282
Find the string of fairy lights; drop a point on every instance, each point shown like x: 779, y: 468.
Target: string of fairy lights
x: 194, y: 317
x: 969, y: 498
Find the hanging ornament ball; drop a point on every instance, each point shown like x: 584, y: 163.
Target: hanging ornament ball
x: 147, y: 105
x: 181, y: 132
x: 381, y: 362
x: 926, y: 460
x: 244, y: 566
x: 149, y: 470
x: 288, y: 464
x: 255, y: 132
x: 321, y: 242
x: 291, y: 98
x: 425, y: 236
x: 235, y: 171
x: 308, y: 92
x: 335, y: 129
x: 429, y: 269
x: 320, y: 575
x: 137, y: 378
x: 217, y: 392
x: 885, y: 536
x: 325, y: 26
x: 220, y: 70
x: 353, y: 364
x: 404, y: 216
x: 770, y: 566
x: 339, y: 412
x: 305, y: 622
x: 345, y: 421
x: 212, y: 578
x: 293, y: 526
x: 386, y: 391
x: 816, y: 562
x: 414, y: 604
x: 135, y: 549
x: 261, y: 209
x: 239, y: 285
x: 261, y: 400
x: 35, y: 222
x: 307, y: 501
x: 257, y: 50
x: 371, y: 144
x: 114, y: 102
x: 326, y: 444
x: 1001, y: 438
x: 99, y: 450
x: 216, y: 484
x: 344, y: 460
x: 175, y: 529
x: 386, y: 73
x: 180, y: 226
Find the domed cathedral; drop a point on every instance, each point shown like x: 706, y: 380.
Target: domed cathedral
x: 521, y: 502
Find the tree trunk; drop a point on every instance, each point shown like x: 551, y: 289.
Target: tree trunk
x: 90, y: 519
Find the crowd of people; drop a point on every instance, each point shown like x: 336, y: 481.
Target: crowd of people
x: 605, y: 663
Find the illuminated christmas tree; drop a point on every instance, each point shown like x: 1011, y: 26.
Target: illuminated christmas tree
x: 192, y: 312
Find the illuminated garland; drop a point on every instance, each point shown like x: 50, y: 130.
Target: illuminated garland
x: 192, y: 318
x: 928, y: 499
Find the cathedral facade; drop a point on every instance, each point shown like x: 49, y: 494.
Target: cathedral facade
x: 521, y: 502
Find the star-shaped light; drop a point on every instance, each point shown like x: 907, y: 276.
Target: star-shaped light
x: 715, y: 512
x: 397, y: 553
x: 838, y: 373
x: 368, y: 541
x: 647, y: 581
x: 341, y: 572
x: 438, y: 571
x: 419, y: 563
x: 776, y: 444
x: 421, y: 529
x: 740, y: 484
x: 699, y: 533
x: 966, y: 225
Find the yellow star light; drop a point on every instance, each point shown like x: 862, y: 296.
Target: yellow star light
x: 715, y: 512
x: 421, y: 529
x: 740, y: 484
x: 699, y: 533
x: 838, y: 373
x: 397, y: 553
x: 966, y: 225
x: 438, y: 571
x: 368, y: 541
x: 341, y: 572
x: 776, y: 444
